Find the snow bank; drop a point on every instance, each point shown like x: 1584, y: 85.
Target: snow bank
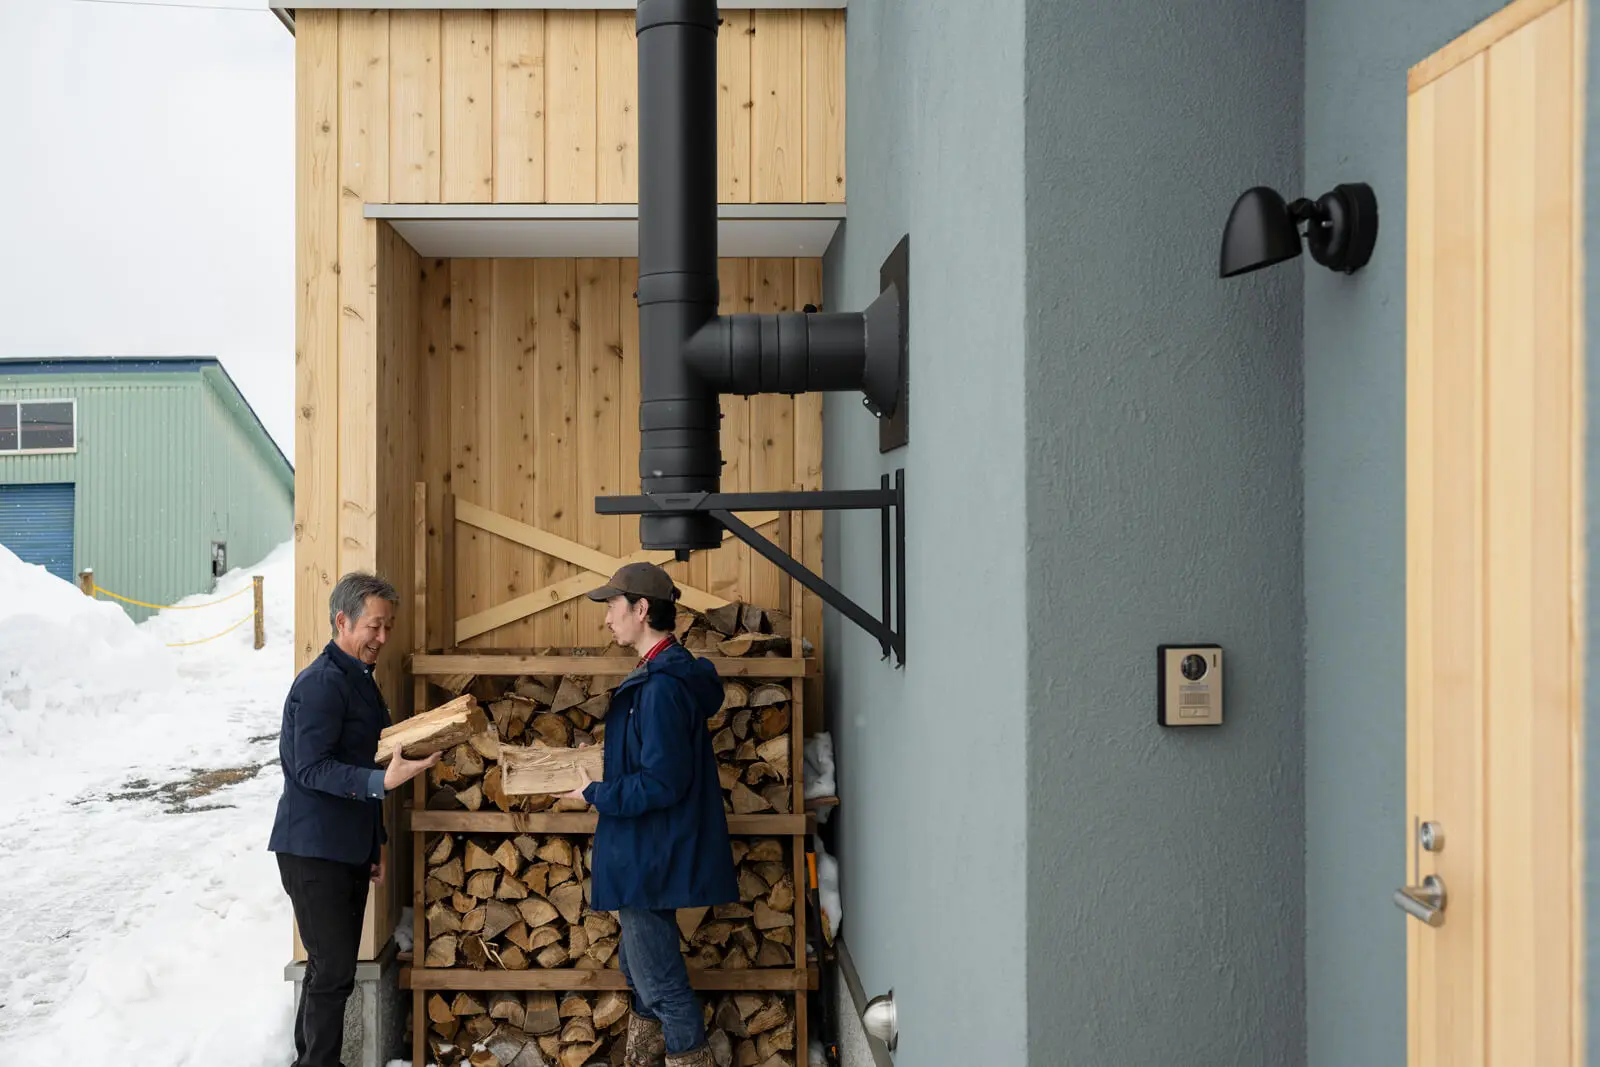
x: 66, y: 661
x: 72, y: 667
x: 828, y: 887
x: 142, y: 934
x: 181, y: 962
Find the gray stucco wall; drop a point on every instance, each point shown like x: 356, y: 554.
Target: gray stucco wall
x: 1165, y: 867
x: 931, y: 759
x: 1214, y: 897
x: 1357, y: 55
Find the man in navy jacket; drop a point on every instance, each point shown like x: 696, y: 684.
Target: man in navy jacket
x: 662, y: 839
x: 329, y: 833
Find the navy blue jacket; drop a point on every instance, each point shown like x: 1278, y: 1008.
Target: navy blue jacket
x: 331, y: 806
x: 662, y: 840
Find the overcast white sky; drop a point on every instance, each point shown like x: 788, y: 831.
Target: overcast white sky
x: 147, y: 184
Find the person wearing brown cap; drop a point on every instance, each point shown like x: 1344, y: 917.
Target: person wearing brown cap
x: 662, y: 839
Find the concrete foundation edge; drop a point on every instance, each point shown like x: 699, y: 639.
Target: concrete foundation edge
x: 856, y: 1048
x: 374, y: 1016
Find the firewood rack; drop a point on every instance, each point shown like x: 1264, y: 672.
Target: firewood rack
x: 427, y: 665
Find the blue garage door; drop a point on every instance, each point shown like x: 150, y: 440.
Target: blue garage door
x: 36, y: 524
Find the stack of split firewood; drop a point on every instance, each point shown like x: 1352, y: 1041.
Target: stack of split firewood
x: 527, y: 1029
x: 517, y: 903
x: 751, y: 733
x: 750, y: 1029
x: 584, y: 1029
x: 758, y: 931
x: 521, y: 902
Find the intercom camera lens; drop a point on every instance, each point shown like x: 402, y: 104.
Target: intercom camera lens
x: 1193, y: 667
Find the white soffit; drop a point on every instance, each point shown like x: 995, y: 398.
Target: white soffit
x: 531, y: 231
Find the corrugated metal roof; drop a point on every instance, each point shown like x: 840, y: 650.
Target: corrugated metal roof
x: 152, y: 365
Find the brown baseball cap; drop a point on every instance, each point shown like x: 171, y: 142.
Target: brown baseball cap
x: 637, y: 579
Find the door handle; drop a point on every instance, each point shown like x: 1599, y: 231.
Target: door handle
x: 1425, y: 901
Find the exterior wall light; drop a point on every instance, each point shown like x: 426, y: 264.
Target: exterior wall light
x: 1341, y: 229
x: 881, y: 1020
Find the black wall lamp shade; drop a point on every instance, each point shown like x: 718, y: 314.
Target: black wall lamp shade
x: 1341, y: 229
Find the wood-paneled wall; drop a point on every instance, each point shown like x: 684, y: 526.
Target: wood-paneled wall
x: 530, y: 374
x: 517, y: 106
x: 541, y: 106
x: 355, y: 346
x: 466, y: 106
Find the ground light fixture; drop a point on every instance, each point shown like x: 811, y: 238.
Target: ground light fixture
x: 1341, y: 228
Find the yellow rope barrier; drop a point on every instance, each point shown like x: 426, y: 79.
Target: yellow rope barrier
x: 98, y: 589
x: 213, y: 637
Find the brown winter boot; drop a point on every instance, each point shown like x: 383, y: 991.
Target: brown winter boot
x: 699, y: 1057
x: 645, y: 1046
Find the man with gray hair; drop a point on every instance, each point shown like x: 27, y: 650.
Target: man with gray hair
x: 329, y: 833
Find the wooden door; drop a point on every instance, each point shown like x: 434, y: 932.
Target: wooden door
x: 1494, y: 541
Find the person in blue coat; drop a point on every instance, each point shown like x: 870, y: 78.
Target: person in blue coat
x: 662, y: 839
x: 328, y: 833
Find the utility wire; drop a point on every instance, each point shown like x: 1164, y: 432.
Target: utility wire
x: 165, y: 3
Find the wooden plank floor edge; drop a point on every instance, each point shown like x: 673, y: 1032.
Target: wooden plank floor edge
x: 498, y: 822
x: 568, y: 979
x: 506, y: 664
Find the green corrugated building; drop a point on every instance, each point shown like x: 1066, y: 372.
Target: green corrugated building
x: 154, y: 472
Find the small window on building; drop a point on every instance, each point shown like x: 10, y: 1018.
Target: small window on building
x: 46, y: 424
x: 219, y: 558
x: 38, y: 426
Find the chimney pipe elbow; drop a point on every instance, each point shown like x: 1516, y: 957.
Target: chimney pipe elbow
x: 795, y: 352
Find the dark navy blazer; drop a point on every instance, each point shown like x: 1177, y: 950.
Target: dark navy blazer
x: 662, y: 839
x: 331, y: 806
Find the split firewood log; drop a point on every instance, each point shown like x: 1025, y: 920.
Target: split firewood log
x: 454, y: 684
x: 433, y: 731
x: 548, y: 770
x: 543, y: 1015
x: 554, y: 730
x: 441, y: 951
x: 573, y: 691
x: 754, y: 644
x: 725, y: 620
x: 482, y: 885
x: 498, y: 918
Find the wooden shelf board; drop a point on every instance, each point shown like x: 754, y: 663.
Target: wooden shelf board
x: 568, y: 979
x: 579, y: 822
x: 509, y: 664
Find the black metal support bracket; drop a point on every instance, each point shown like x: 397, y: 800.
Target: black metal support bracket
x: 889, y: 500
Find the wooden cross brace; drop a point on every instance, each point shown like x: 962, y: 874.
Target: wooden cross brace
x: 596, y: 567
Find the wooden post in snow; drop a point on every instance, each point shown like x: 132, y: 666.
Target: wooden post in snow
x: 86, y: 581
x: 261, y: 614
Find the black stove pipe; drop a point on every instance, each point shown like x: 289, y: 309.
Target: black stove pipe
x: 679, y: 413
x: 688, y: 355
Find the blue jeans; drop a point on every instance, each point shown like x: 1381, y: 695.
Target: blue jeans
x: 654, y: 968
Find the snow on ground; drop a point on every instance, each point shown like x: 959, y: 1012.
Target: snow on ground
x: 145, y: 921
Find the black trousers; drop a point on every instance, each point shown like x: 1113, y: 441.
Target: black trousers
x: 330, y: 900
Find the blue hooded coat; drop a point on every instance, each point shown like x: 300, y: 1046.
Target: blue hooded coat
x: 662, y: 839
